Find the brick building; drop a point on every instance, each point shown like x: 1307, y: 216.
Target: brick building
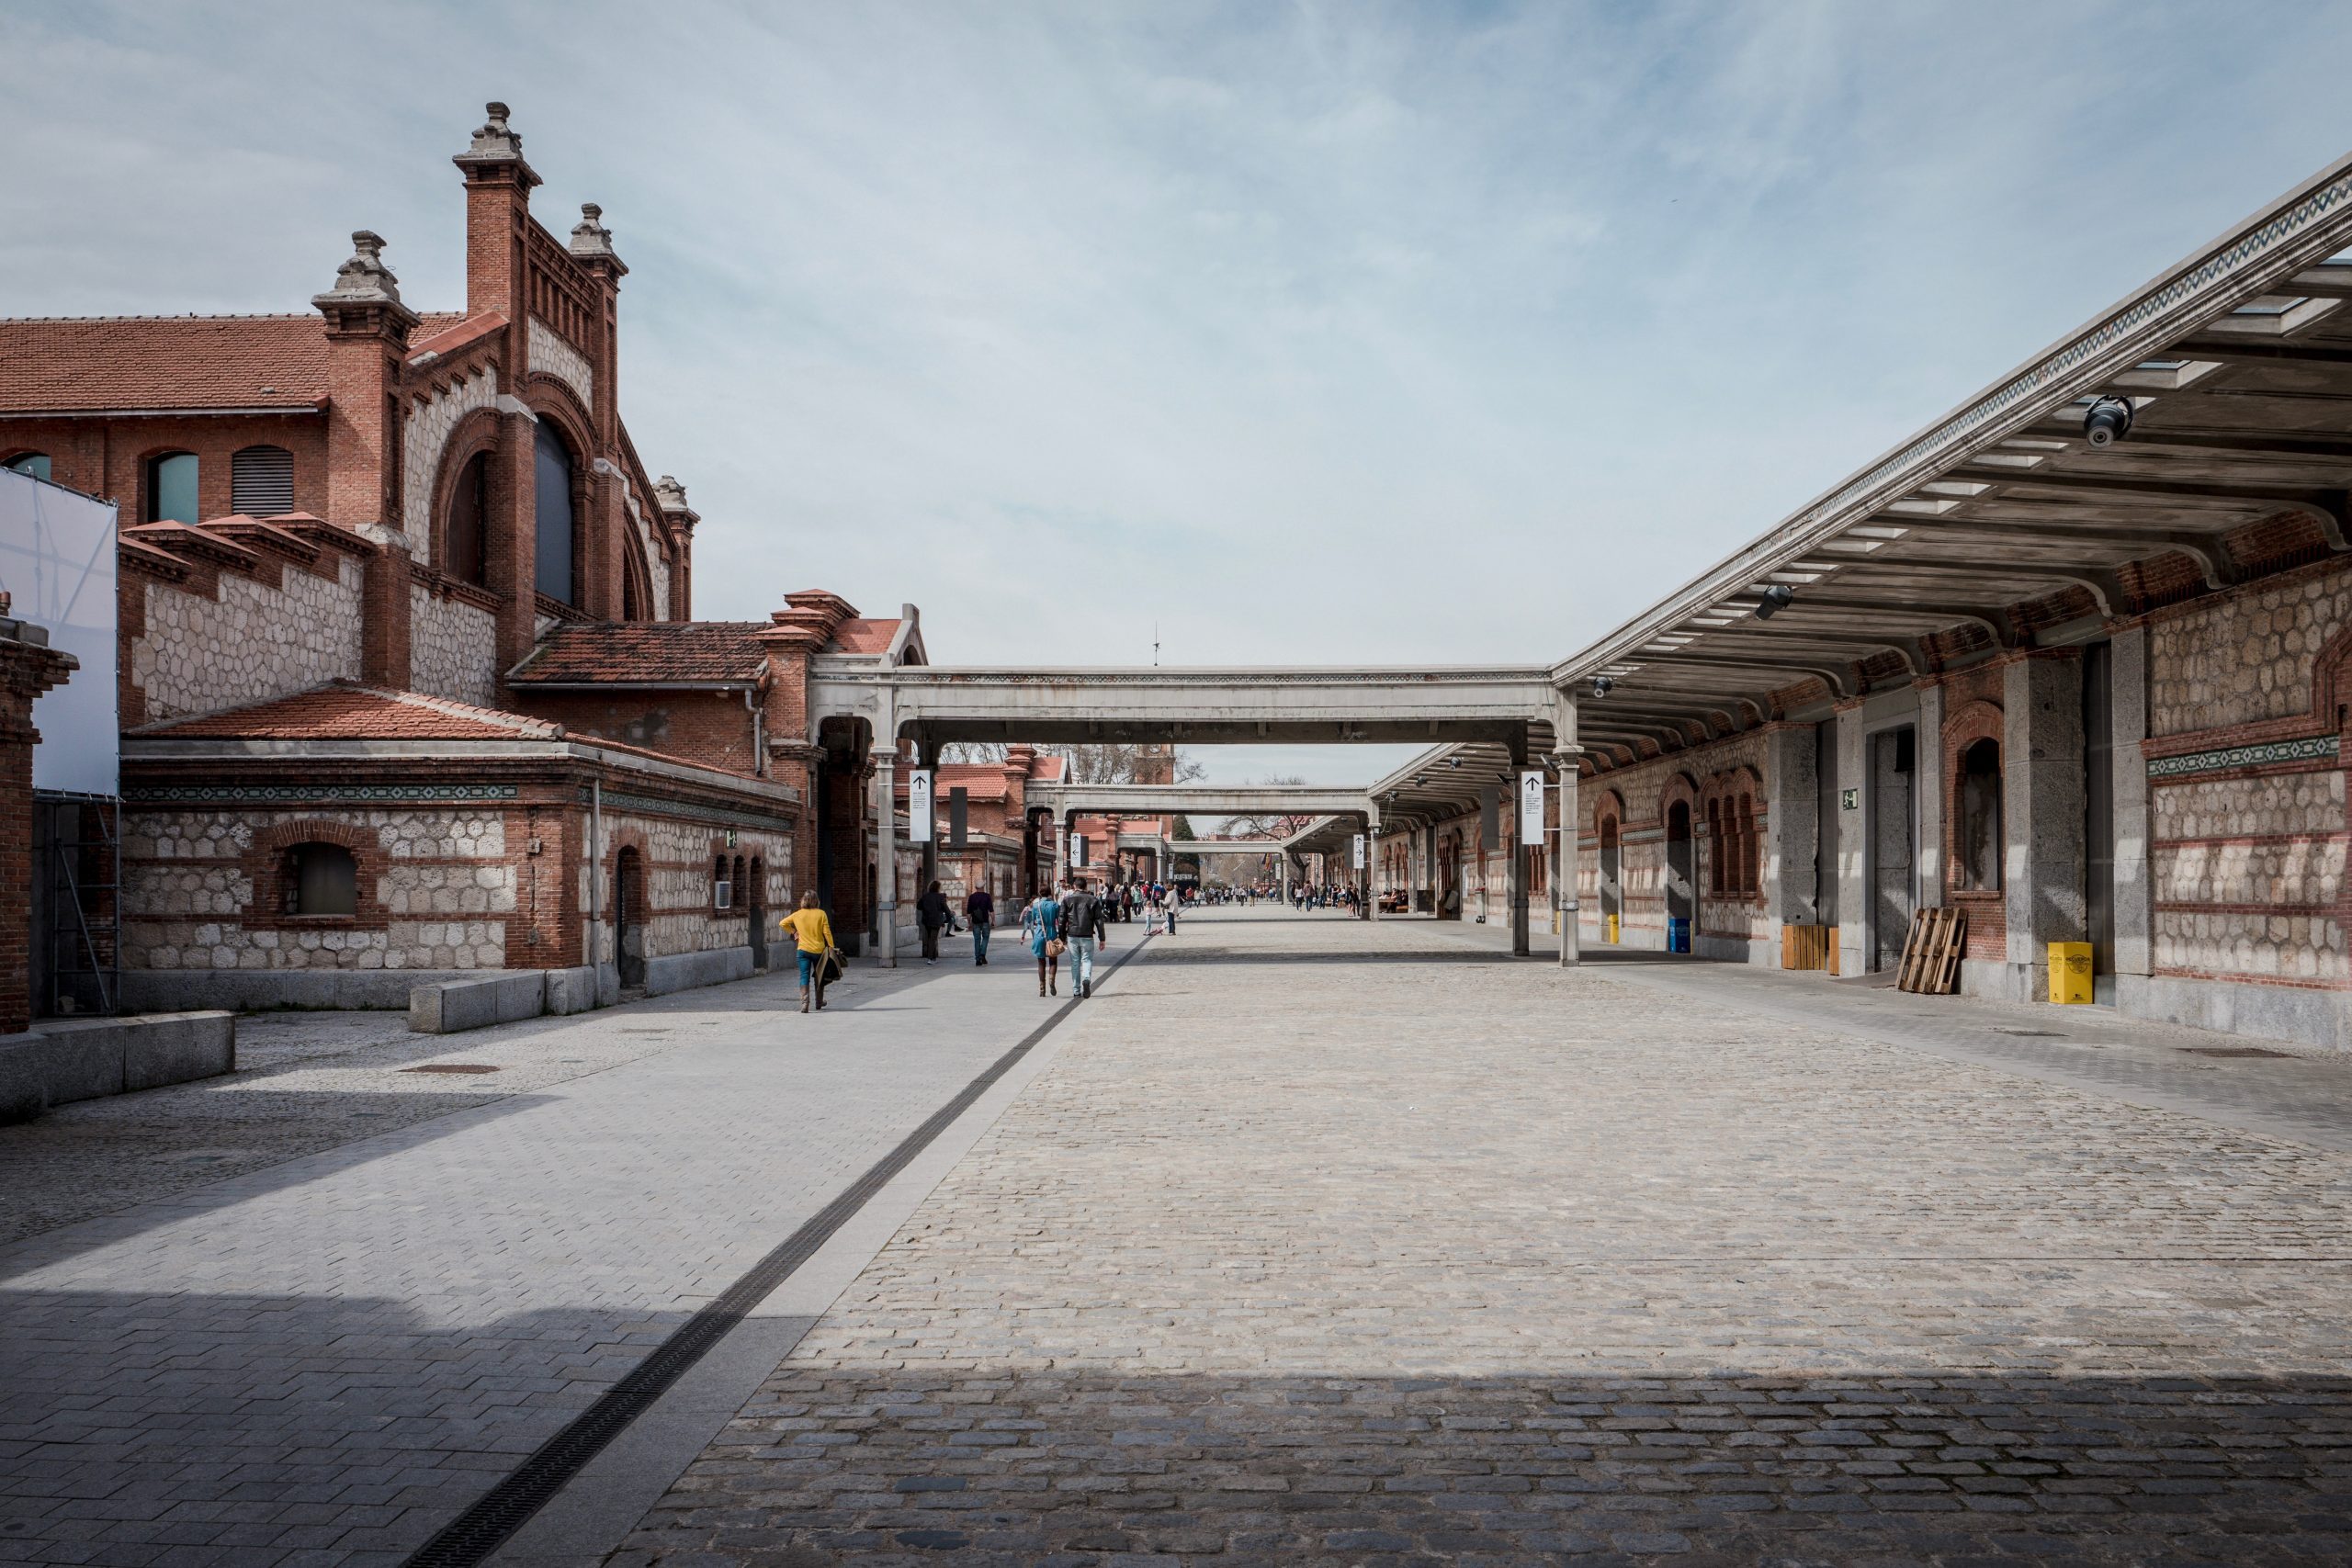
x: 408, y: 684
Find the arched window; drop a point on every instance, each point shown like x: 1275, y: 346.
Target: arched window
x: 1715, y: 846
x: 171, y: 488
x: 321, y: 879
x: 722, y: 888
x: 33, y: 463
x: 1977, y: 835
x: 465, y: 529
x: 1748, y: 879
x: 551, y: 487
x: 261, y: 481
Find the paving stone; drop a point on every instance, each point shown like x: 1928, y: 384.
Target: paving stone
x: 1565, y: 1268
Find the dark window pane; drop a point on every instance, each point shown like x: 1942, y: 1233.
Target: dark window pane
x: 171, y: 489
x: 326, y: 880
x: 33, y: 463
x: 552, y: 484
x: 461, y: 540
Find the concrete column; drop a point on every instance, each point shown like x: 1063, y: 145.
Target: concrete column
x: 1931, y: 790
x: 1854, y: 935
x: 886, y: 855
x: 2041, y: 811
x: 1792, y: 828
x: 1371, y: 869
x: 2134, y: 915
x: 1569, y: 879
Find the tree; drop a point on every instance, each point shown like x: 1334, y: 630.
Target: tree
x: 1268, y: 824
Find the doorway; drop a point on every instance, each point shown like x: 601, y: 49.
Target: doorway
x: 755, y: 912
x: 1893, y: 844
x: 1681, y: 868
x: 628, y: 917
x: 1612, y: 893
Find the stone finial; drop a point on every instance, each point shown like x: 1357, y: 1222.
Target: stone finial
x: 589, y: 236
x: 671, y: 494
x: 364, y: 279
x: 497, y: 139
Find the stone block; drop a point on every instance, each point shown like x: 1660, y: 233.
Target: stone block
x: 177, y: 1048
x: 571, y: 990
x: 59, y: 1061
x: 685, y: 971
x: 448, y: 1007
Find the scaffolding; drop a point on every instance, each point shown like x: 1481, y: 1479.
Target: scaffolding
x: 78, y: 903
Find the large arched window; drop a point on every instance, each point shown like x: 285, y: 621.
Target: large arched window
x: 261, y: 481
x: 552, y: 488
x: 171, y: 488
x: 1717, y: 859
x: 321, y: 879
x: 467, y: 526
x: 1978, y: 835
x: 33, y: 463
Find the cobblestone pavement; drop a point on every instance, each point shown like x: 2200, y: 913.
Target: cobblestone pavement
x: 1328, y: 1242
x: 381, y: 1291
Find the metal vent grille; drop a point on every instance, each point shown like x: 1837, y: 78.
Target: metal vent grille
x: 261, y: 481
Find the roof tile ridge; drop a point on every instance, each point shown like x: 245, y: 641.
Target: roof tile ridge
x: 522, y: 724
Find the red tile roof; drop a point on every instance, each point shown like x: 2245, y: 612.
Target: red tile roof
x: 865, y: 636
x: 65, y: 365
x: 657, y: 651
x: 343, y: 711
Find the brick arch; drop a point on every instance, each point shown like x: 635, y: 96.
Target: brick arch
x: 264, y: 863
x: 471, y: 436
x: 2332, y: 681
x: 1608, y: 803
x: 1679, y: 786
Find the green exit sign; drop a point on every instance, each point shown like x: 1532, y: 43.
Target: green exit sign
x: 1852, y: 799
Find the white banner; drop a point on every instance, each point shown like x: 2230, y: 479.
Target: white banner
x: 57, y: 557
x: 1358, y: 851
x: 1077, y: 849
x: 1531, y: 806
x: 920, y: 813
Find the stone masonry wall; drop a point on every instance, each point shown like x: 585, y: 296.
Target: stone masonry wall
x: 427, y: 434
x: 453, y: 647
x: 549, y: 353
x: 256, y: 641
x: 2244, y: 656
x: 437, y: 889
x: 680, y: 911
x: 1644, y: 788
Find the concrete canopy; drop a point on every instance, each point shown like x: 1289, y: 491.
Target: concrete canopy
x: 2001, y: 524
x: 1207, y: 800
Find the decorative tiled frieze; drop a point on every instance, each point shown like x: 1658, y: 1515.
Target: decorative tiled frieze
x: 170, y: 794
x: 2311, y: 748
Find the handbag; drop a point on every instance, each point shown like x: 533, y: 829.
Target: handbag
x: 832, y: 966
x: 1054, y: 946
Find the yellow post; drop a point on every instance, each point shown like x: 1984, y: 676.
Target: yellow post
x: 1612, y: 931
x: 2070, y: 972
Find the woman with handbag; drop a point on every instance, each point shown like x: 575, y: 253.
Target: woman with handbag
x: 1041, y: 923
x: 819, y: 963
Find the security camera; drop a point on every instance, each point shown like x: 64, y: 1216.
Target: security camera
x: 1777, y: 597
x: 1602, y: 685
x: 2107, y: 421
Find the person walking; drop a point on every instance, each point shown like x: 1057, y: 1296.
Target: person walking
x: 1082, y: 927
x: 1175, y: 898
x: 980, y: 909
x: 931, y: 910
x: 812, y: 934
x: 1041, y: 923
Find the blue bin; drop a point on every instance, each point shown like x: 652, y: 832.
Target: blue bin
x: 1678, y: 935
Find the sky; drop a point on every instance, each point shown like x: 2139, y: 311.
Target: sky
x: 1300, y: 333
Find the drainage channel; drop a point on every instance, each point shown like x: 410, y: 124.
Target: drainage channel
x: 494, y: 1517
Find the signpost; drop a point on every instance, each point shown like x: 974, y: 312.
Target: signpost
x: 1530, y: 807
x: 919, y: 808
x: 1360, y: 852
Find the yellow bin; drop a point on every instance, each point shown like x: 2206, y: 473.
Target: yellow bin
x: 2070, y: 972
x: 1611, y: 923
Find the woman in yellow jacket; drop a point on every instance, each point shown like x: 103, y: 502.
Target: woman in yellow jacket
x: 814, y: 933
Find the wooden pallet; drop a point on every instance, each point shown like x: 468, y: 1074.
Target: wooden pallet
x: 1931, y: 953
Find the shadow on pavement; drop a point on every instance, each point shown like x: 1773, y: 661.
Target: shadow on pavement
x: 1000, y: 1465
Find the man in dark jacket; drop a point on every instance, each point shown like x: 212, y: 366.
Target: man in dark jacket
x: 931, y: 910
x: 1082, y: 927
x: 981, y: 911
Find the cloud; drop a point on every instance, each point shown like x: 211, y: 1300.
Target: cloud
x: 1444, y: 332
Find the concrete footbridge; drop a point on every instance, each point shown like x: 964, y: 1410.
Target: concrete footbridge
x: 1203, y: 800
